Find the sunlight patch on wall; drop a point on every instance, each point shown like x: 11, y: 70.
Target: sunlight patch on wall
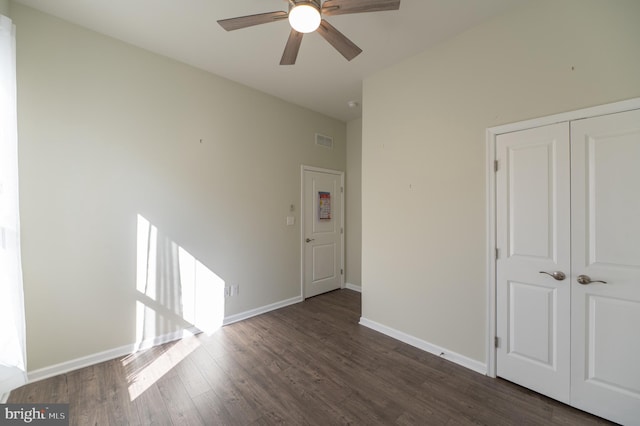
x: 146, y: 275
x: 202, y: 293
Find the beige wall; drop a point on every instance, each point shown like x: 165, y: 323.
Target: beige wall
x: 353, y: 200
x: 4, y: 8
x: 423, y: 157
x: 108, y: 132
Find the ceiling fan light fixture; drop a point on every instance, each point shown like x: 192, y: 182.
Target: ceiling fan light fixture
x: 304, y: 17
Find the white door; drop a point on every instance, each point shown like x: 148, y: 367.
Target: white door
x: 533, y: 264
x: 605, y: 318
x: 322, y: 231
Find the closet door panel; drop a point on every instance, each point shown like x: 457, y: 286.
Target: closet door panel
x: 533, y: 237
x: 605, y: 316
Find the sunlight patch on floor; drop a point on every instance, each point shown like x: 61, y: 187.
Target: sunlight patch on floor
x: 145, y: 368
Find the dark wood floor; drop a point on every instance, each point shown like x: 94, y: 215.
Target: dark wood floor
x: 310, y: 363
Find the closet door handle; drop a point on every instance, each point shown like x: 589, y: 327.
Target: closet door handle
x: 558, y: 275
x: 586, y: 279
x: 310, y: 239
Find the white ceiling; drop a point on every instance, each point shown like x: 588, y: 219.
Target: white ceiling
x: 321, y: 80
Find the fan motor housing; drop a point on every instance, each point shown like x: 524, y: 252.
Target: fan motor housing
x: 313, y: 3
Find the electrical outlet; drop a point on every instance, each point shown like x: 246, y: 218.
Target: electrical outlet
x: 231, y: 290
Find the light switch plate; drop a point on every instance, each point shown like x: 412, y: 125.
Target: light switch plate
x: 291, y: 220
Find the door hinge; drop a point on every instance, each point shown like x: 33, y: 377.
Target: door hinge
x: 341, y: 271
x: 342, y: 230
x: 496, y: 341
x: 495, y: 166
x: 341, y: 189
x: 497, y: 253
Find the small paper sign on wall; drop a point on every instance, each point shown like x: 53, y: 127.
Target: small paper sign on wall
x: 324, y: 205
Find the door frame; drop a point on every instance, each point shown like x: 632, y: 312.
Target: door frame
x: 490, y: 183
x: 303, y: 169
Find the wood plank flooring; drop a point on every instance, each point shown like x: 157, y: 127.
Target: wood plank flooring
x: 306, y: 364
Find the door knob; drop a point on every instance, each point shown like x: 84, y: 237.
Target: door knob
x: 586, y: 279
x: 310, y: 239
x: 558, y: 275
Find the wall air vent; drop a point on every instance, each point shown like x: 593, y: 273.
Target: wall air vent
x: 322, y: 140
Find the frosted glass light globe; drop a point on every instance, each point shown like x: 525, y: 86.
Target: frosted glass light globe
x: 304, y: 18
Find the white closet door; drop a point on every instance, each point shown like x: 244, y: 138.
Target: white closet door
x: 533, y: 236
x: 605, y: 318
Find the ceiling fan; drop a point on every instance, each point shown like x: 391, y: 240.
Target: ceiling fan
x: 306, y: 16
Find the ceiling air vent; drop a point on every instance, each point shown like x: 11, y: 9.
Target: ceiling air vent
x: 322, y: 140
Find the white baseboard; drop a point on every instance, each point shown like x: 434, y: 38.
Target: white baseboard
x: 75, y: 364
x: 165, y: 338
x: 85, y: 361
x: 472, y: 364
x: 353, y: 287
x: 262, y: 310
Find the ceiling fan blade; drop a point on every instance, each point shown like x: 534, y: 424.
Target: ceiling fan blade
x: 251, y: 20
x: 290, y: 53
x: 341, y: 7
x: 341, y: 43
